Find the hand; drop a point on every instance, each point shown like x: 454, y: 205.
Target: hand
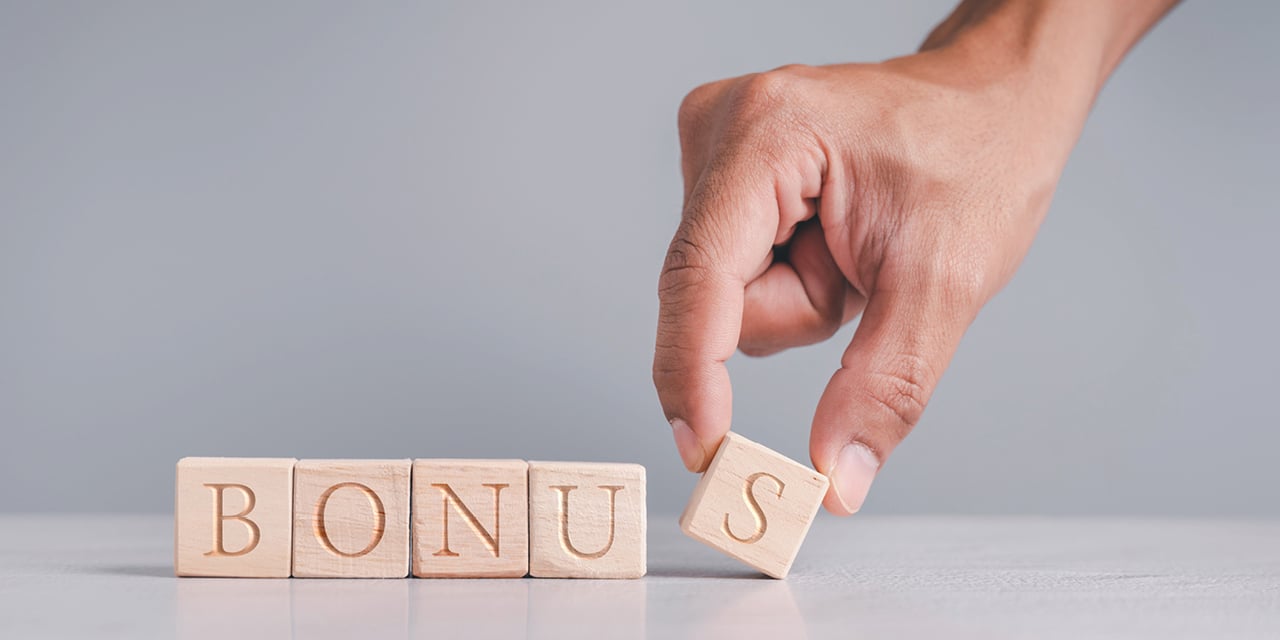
x: 906, y: 191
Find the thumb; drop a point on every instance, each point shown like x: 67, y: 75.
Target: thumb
x: 900, y: 349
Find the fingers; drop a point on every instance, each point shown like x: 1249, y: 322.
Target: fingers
x: 726, y: 234
x: 802, y: 300
x: 887, y: 375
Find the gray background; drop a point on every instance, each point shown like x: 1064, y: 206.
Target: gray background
x: 434, y: 229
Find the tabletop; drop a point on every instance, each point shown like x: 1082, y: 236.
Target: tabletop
x: 863, y: 577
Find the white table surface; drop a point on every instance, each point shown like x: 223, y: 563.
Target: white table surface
x: 869, y: 577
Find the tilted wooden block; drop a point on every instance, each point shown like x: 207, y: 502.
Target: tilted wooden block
x: 586, y: 520
x: 470, y: 518
x: 232, y: 517
x: 754, y: 504
x: 351, y: 519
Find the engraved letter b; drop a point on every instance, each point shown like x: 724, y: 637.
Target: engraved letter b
x: 219, y: 520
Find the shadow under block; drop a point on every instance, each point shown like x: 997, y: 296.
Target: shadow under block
x: 351, y: 519
x: 470, y: 518
x: 586, y: 520
x: 232, y: 517
x: 755, y: 505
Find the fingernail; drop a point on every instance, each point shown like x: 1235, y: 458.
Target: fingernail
x: 855, y: 470
x: 687, y: 443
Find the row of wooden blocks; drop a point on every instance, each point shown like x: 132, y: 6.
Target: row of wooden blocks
x: 444, y: 518
x: 270, y: 517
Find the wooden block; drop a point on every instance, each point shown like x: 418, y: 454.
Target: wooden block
x: 351, y: 519
x: 231, y: 517
x: 470, y: 518
x: 586, y: 520
x: 755, y: 505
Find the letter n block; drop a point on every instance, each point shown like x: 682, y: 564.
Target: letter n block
x: 232, y: 517
x: 470, y: 518
x: 755, y: 505
x: 586, y: 520
x: 351, y: 519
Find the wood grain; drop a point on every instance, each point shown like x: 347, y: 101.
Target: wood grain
x: 755, y: 505
x: 232, y: 517
x: 586, y: 520
x: 351, y: 519
x: 470, y: 518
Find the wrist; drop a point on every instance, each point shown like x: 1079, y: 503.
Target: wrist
x: 1054, y: 55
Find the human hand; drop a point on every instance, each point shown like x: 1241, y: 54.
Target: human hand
x: 906, y: 191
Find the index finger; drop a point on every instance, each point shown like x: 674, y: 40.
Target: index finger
x: 724, y: 239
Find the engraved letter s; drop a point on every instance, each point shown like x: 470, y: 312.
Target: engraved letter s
x: 761, y: 523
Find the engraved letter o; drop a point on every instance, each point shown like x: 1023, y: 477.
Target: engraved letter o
x: 375, y: 504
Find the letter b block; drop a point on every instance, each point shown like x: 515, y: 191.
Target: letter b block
x: 351, y: 519
x: 470, y: 518
x: 755, y: 505
x: 586, y: 520
x: 231, y: 517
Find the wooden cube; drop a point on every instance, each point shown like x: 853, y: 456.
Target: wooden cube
x: 231, y: 517
x: 586, y: 520
x: 470, y: 518
x: 351, y: 519
x: 755, y: 505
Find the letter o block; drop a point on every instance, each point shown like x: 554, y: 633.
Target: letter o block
x: 231, y: 517
x: 586, y: 520
x: 351, y: 519
x: 755, y: 505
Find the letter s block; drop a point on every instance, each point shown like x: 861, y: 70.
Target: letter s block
x: 232, y: 517
x: 351, y: 519
x: 586, y: 520
x: 754, y: 505
x: 470, y: 518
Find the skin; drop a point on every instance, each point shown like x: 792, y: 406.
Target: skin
x: 906, y: 191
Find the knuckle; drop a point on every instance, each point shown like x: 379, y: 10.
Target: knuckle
x: 902, y: 389
x: 771, y: 88
x: 958, y: 282
x: 670, y: 355
x: 968, y: 286
x: 954, y: 277
x: 694, y: 107
x: 768, y: 103
x: 686, y: 267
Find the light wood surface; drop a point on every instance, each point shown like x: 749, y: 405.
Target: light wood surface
x: 232, y: 517
x: 351, y: 519
x: 586, y: 520
x: 755, y: 505
x: 470, y: 518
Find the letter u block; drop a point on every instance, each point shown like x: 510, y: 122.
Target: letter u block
x: 231, y: 517
x: 586, y: 520
x: 755, y: 505
x: 470, y: 518
x: 351, y: 519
